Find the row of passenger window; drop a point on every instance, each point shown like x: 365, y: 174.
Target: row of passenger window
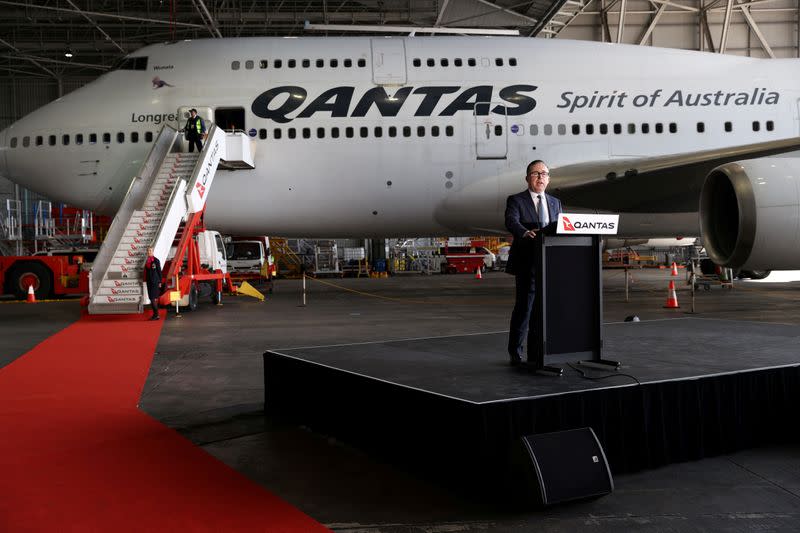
x: 589, y: 129
x: 350, y: 132
x: 66, y: 139
x: 459, y: 62
x: 250, y: 64
x: 769, y: 125
x: 392, y: 131
x: 277, y: 133
x: 631, y: 128
x: 292, y: 63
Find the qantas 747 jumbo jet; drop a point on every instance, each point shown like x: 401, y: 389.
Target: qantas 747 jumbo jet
x: 405, y: 136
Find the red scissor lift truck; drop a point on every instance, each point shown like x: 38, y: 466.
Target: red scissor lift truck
x: 199, y: 263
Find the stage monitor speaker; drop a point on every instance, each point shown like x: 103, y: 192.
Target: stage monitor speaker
x: 564, y: 465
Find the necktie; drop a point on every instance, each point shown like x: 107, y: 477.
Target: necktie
x: 542, y: 214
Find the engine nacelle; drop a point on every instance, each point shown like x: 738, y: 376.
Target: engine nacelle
x: 750, y: 214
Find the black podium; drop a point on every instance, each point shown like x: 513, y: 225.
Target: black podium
x: 568, y: 313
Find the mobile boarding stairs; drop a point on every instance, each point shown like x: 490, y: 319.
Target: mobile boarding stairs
x: 171, y: 187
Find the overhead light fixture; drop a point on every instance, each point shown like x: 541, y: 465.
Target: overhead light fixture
x: 68, y: 53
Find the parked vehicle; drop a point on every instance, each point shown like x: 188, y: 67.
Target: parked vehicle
x: 250, y: 258
x: 54, y: 273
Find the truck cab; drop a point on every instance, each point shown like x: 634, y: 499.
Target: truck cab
x: 212, y: 251
x: 246, y: 256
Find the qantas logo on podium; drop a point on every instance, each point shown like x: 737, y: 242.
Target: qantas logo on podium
x: 572, y: 223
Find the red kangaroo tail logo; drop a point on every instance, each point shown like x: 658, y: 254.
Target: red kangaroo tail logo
x: 568, y: 225
x: 201, y: 189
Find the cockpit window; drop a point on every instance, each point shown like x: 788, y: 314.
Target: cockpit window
x: 133, y: 63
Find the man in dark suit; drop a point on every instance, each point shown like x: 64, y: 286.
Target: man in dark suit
x: 528, y: 213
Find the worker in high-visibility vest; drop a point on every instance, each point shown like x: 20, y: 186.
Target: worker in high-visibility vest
x: 195, y: 131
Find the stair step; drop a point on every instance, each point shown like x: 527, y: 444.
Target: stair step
x: 142, y: 234
x: 114, y: 309
x: 116, y: 299
x: 127, y: 291
x: 135, y: 239
x: 120, y: 283
x: 144, y: 226
x: 123, y: 272
x: 131, y: 247
x: 126, y: 261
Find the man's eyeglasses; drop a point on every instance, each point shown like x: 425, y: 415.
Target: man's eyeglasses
x: 536, y: 174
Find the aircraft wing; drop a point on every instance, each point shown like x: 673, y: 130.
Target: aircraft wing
x: 665, y: 184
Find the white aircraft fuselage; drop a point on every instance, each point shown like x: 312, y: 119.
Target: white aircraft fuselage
x: 415, y: 136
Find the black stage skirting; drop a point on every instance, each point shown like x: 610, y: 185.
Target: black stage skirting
x: 705, y: 387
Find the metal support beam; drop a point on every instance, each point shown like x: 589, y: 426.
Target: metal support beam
x: 621, y: 26
x: 707, y: 31
x: 25, y: 72
x: 726, y: 24
x: 441, y: 12
x: 96, y: 14
x: 212, y: 24
x: 34, y: 59
x: 690, y: 9
x: 98, y: 28
x: 606, y: 30
x: 649, y: 31
x: 495, y: 10
x: 408, y: 29
x: 508, y: 11
x: 756, y: 31
x: 35, y: 62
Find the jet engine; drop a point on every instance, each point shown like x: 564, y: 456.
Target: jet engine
x: 750, y: 214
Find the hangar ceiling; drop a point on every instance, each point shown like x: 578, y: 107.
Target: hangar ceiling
x: 35, y: 37
x: 63, y: 39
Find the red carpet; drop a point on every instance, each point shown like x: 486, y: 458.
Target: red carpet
x: 77, y: 455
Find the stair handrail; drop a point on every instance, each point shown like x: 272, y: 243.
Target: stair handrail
x: 117, y: 227
x: 149, y: 170
x: 176, y: 191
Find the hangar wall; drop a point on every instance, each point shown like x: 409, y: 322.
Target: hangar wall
x: 18, y: 97
x: 692, y: 25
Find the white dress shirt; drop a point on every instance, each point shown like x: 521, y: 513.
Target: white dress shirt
x: 534, y: 197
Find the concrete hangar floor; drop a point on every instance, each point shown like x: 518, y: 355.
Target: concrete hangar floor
x: 206, y: 382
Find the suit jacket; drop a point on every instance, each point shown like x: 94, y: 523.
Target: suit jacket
x: 520, y: 217
x: 152, y: 275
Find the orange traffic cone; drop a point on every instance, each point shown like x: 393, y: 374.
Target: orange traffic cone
x: 478, y: 273
x: 672, y: 298
x: 31, y: 295
x: 674, y: 269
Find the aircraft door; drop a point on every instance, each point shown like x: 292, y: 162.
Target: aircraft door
x: 388, y: 61
x: 491, y: 131
x: 204, y: 112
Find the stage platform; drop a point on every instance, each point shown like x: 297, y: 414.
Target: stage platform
x: 688, y: 388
